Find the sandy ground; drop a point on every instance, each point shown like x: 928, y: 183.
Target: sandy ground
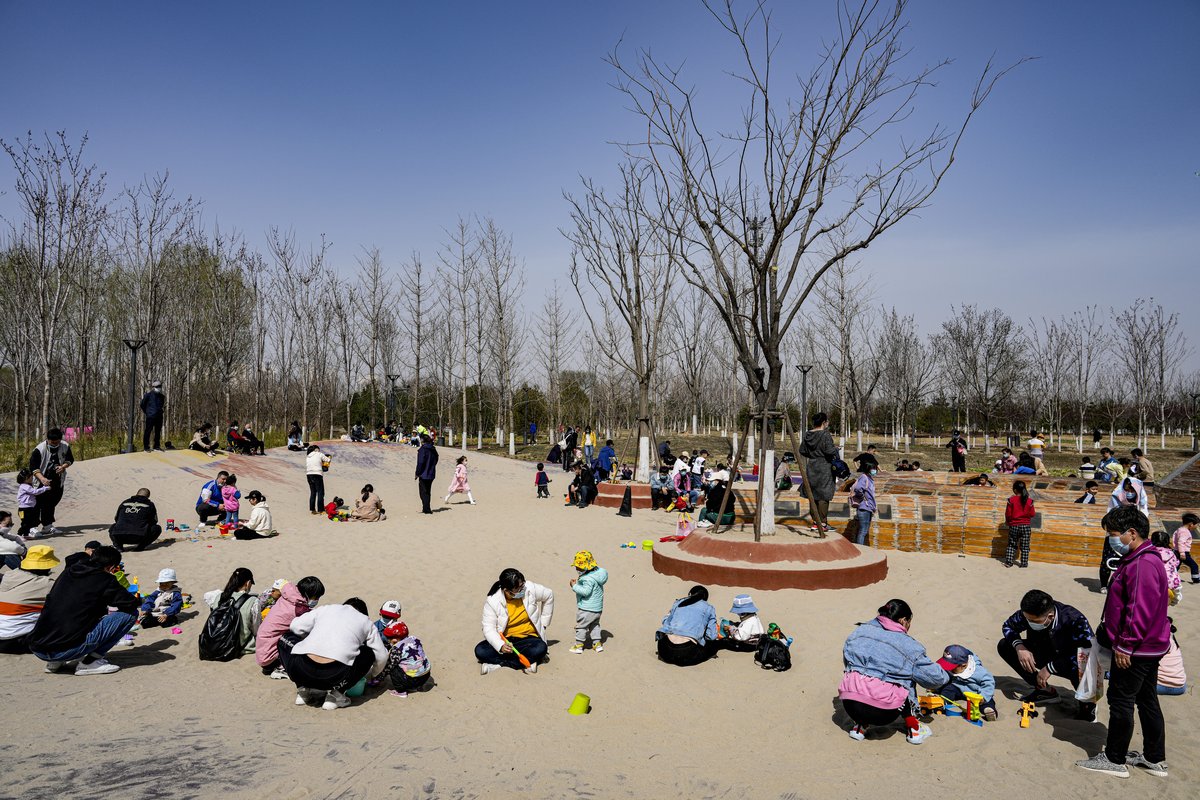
x: 170, y: 725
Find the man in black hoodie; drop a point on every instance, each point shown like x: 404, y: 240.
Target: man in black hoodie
x: 75, y: 628
x: 136, y: 523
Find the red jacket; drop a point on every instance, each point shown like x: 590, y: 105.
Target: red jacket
x: 1018, y: 513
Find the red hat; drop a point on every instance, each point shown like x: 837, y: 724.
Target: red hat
x: 397, y: 630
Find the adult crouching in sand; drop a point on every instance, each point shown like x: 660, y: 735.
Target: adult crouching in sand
x: 688, y: 635
x: 258, y: 526
x: 23, y: 595
x: 515, y: 617
x: 331, y: 649
x: 136, y: 523
x: 882, y: 665
x: 295, y: 600
x: 210, y: 504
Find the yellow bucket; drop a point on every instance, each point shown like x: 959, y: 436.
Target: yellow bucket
x: 581, y: 705
x: 647, y: 544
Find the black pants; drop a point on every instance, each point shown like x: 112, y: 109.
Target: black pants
x: 29, y: 520
x: 205, y: 512
x: 316, y: 493
x: 425, y: 488
x: 1127, y: 688
x: 47, y: 502
x: 959, y: 461
x: 543, y: 490
x: 153, y: 424
x: 135, y: 539
x: 246, y: 534
x: 864, y: 715
x: 1186, y: 559
x: 1043, y: 654
x: 334, y: 676
x: 408, y: 683
x: 687, y: 654
x: 15, y: 646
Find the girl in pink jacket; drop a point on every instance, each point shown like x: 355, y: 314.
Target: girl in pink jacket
x: 294, y: 600
x: 459, y: 485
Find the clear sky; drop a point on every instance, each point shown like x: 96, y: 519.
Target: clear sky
x: 381, y: 123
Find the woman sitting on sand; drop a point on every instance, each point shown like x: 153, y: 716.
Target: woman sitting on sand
x: 688, y: 635
x: 259, y: 524
x: 240, y: 584
x: 368, y: 507
x: 882, y: 665
x: 202, y: 442
x: 515, y: 617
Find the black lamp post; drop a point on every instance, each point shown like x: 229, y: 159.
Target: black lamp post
x: 804, y: 370
x: 391, y: 400
x: 1195, y: 398
x: 134, y: 345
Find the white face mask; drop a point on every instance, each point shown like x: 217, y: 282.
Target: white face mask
x: 1041, y: 626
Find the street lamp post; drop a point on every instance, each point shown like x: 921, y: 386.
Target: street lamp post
x: 134, y: 345
x: 391, y: 400
x: 1195, y: 398
x: 804, y: 370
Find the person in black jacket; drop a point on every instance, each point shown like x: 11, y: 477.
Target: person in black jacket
x: 583, y: 488
x: 427, y: 459
x: 75, y: 627
x: 958, y: 452
x: 154, y: 405
x: 136, y: 523
x: 50, y: 460
x: 1053, y: 633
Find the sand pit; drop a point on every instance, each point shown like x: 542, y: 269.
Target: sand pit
x: 170, y: 725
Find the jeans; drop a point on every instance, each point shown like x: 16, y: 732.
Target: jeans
x: 532, y: 647
x: 1127, y: 688
x: 13, y: 561
x: 587, y: 452
x: 1186, y: 558
x: 316, y: 493
x: 1171, y: 690
x: 864, y: 527
x: 100, y: 640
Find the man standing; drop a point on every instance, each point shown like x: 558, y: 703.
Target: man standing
x: 49, y: 463
x: 427, y: 459
x: 958, y: 452
x: 154, y: 403
x: 136, y: 523
x: 1042, y: 640
x: 606, y: 458
x: 868, y: 459
x: 75, y: 626
x: 209, y: 503
x: 1136, y: 627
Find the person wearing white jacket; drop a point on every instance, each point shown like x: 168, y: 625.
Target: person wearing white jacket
x: 314, y: 469
x: 515, y: 617
x: 329, y: 649
x: 259, y: 524
x: 1130, y: 492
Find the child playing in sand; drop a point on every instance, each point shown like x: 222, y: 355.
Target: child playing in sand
x: 745, y: 633
x: 967, y: 674
x: 459, y: 484
x: 164, y: 603
x: 589, y: 595
x: 333, y: 507
x: 1162, y: 543
x: 407, y: 665
x: 389, y: 613
x: 28, y: 488
x: 231, y: 498
x: 542, y: 481
x: 1181, y: 543
x: 267, y: 599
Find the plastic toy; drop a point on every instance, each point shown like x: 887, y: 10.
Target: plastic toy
x: 520, y: 657
x: 931, y: 703
x: 581, y: 705
x: 1027, y: 713
x: 974, y: 712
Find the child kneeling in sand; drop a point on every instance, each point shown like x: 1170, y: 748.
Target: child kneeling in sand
x: 967, y: 674
x: 407, y: 664
x: 164, y: 603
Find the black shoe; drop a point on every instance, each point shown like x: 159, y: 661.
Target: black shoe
x: 1086, y: 712
x: 1042, y: 697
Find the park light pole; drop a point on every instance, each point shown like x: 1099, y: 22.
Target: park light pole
x: 391, y: 400
x: 134, y: 346
x: 1195, y: 398
x: 804, y: 370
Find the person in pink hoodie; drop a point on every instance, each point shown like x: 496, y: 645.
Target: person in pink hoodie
x: 1136, y: 627
x: 295, y: 599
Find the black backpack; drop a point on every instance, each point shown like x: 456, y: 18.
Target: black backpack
x: 773, y: 654
x: 221, y: 639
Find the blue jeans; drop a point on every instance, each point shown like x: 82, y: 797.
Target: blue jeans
x: 531, y: 647
x: 100, y: 640
x: 13, y: 561
x: 864, y: 527
x: 1171, y: 689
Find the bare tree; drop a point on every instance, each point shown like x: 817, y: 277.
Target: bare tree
x: 1166, y: 348
x: 906, y: 367
x: 1086, y: 341
x: 555, y: 327
x: 505, y: 285
x: 981, y: 355
x: 1052, y: 349
x: 414, y: 288
x: 374, y: 290
x: 460, y: 260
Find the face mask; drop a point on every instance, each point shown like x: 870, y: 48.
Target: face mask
x: 1119, y: 547
x: 311, y: 603
x: 1131, y: 496
x: 1040, y: 626
x: 518, y: 595
x: 874, y: 472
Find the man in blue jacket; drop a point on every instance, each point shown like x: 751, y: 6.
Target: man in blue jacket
x: 427, y: 458
x: 1042, y: 639
x: 605, y: 459
x: 154, y: 404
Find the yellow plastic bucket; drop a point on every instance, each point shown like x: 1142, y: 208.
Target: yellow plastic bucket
x: 647, y: 544
x: 581, y: 705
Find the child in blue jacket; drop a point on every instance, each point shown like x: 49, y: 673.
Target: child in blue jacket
x: 967, y: 674
x: 589, y: 595
x: 162, y: 606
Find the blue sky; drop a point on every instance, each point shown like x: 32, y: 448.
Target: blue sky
x: 379, y: 124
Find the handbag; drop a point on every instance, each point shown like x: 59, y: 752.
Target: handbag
x: 1091, y: 672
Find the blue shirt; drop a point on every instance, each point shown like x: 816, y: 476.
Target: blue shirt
x: 607, y: 454
x: 697, y: 621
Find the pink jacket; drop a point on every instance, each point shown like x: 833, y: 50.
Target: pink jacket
x: 291, y: 604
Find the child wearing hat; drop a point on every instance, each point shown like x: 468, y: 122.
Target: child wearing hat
x: 163, y: 604
x: 407, y: 665
x: 12, y: 546
x: 967, y: 674
x: 589, y: 598
x: 268, y: 597
x: 745, y: 633
x: 389, y: 614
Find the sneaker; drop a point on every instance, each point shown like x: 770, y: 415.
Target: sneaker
x: 1136, y: 759
x: 597, y: 647
x: 52, y: 667
x: 472, y: 502
x: 1042, y: 697
x: 990, y: 714
x: 98, y: 667
x: 858, y: 733
x: 54, y: 531
x: 301, y: 697
x: 1100, y: 763
x: 1086, y: 712
x: 922, y: 733
x: 394, y: 693
x: 34, y: 534
x: 577, y: 649
x: 280, y: 674
x: 485, y: 669
x: 335, y: 700
x: 531, y: 669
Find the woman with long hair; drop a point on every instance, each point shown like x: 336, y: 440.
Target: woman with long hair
x: 688, y: 634
x: 368, y: 507
x: 240, y: 583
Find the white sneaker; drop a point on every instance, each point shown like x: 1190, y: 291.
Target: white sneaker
x: 335, y: 700
x: 922, y: 733
x: 306, y: 697
x: 280, y: 674
x: 54, y: 532
x: 531, y: 669
x: 484, y: 669
x: 97, y: 667
x: 33, y: 534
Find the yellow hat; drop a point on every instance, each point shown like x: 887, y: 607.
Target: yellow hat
x: 584, y: 561
x: 40, y: 556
